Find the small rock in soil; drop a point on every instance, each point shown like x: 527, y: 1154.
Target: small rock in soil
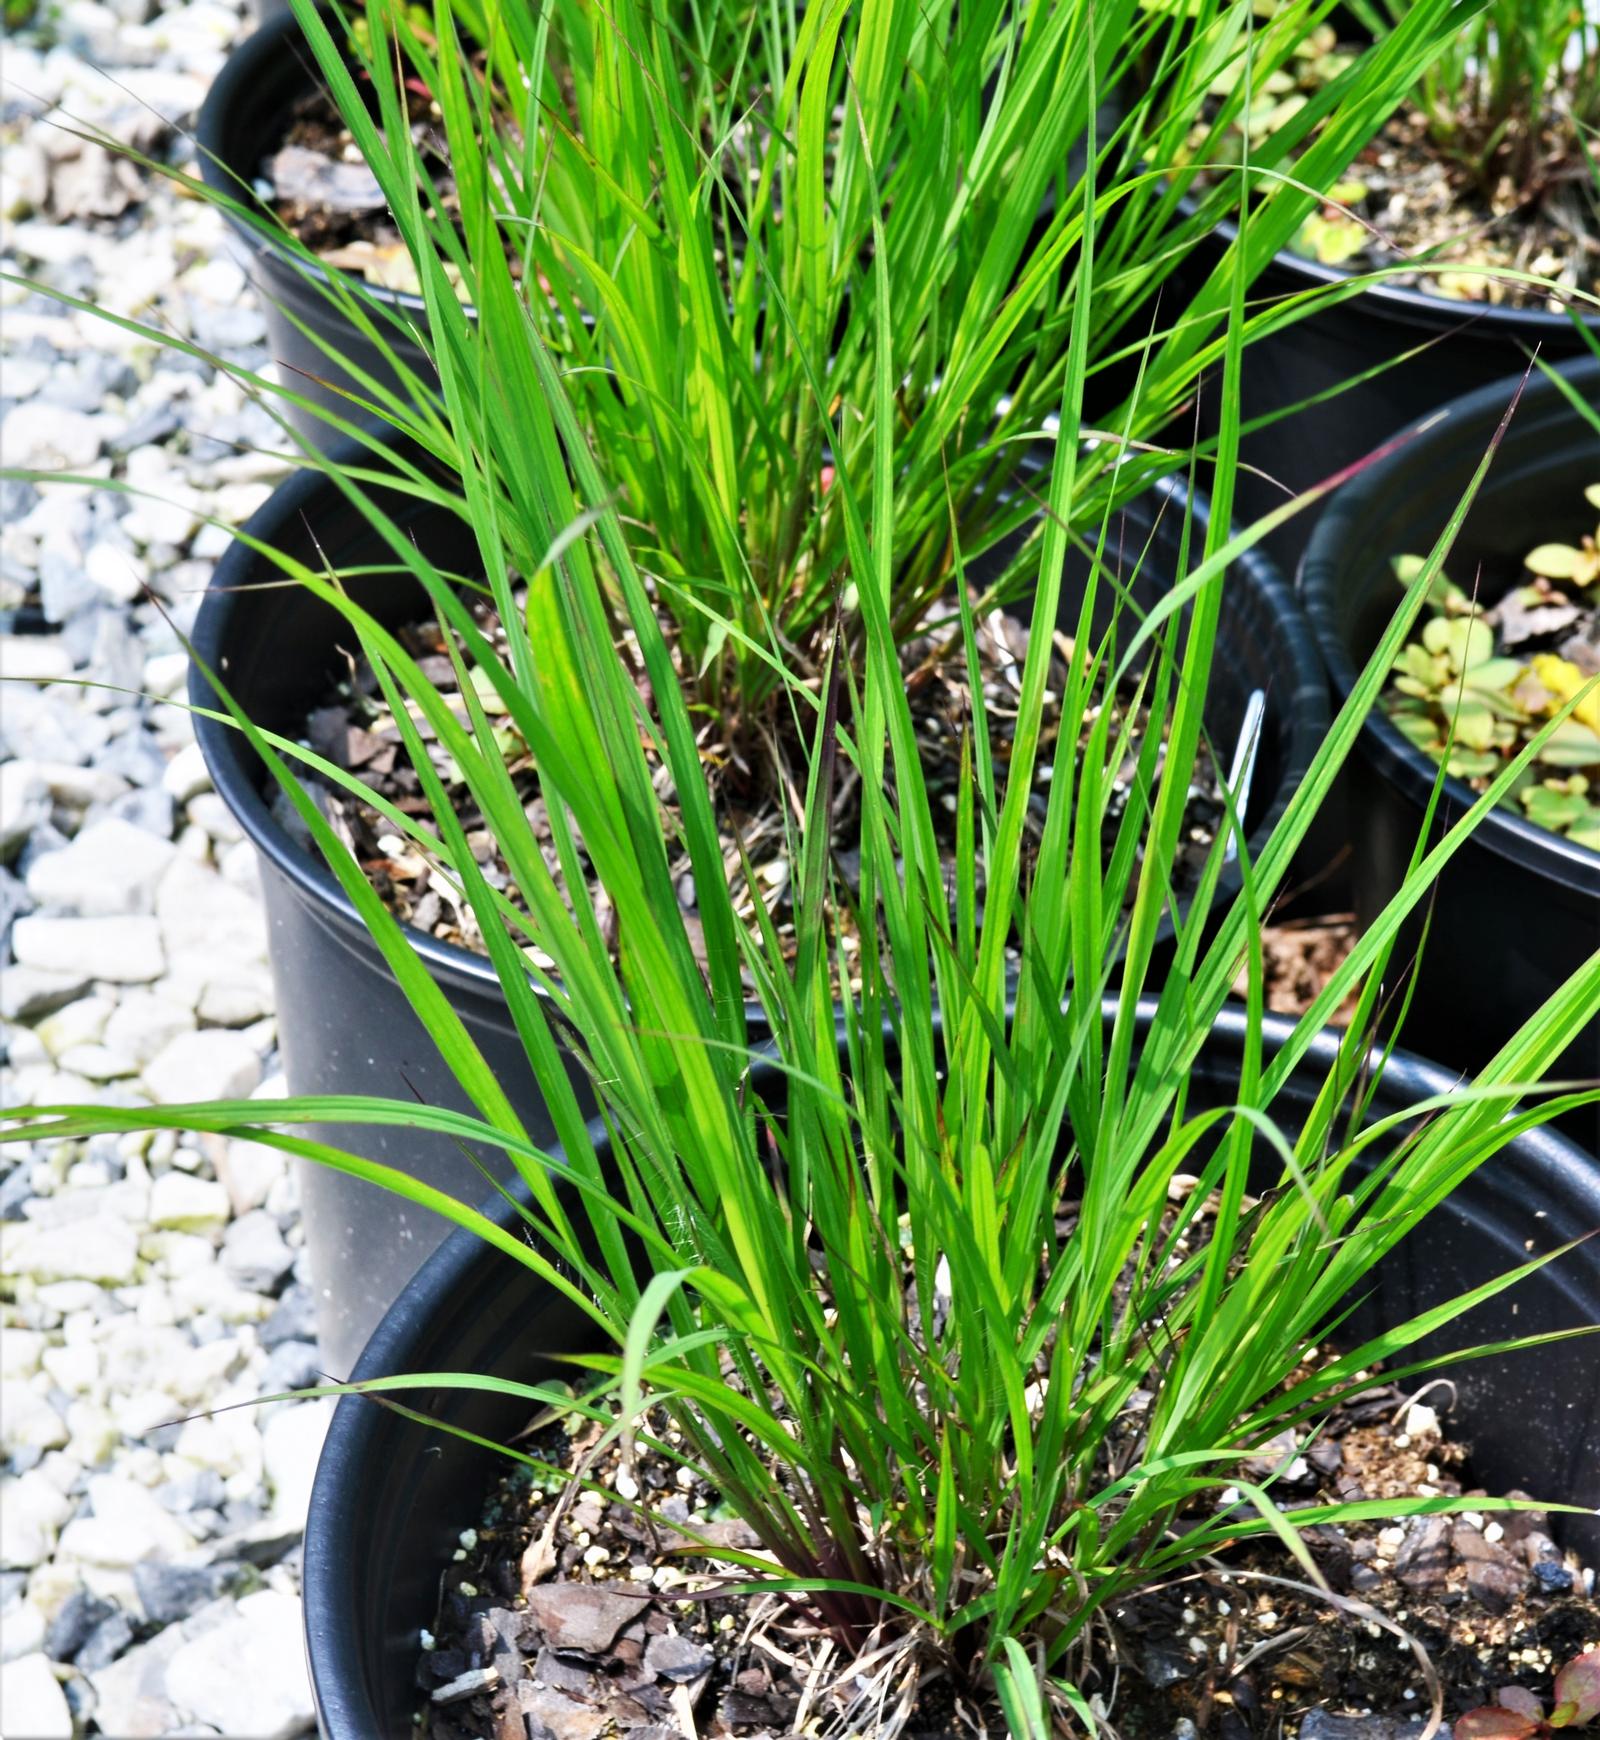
x: 1321, y: 1725
x: 677, y: 1659
x: 467, y: 1685
x: 1494, y: 1577
x: 1165, y: 1664
x: 1423, y: 1561
x: 565, y: 1676
x: 310, y: 178
x: 552, y: 1713
x: 582, y: 1616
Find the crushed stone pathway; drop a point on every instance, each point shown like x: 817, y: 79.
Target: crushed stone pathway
x: 149, y: 1556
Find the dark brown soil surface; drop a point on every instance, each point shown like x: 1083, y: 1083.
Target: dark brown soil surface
x: 568, y: 1612
x: 758, y: 782
x: 1251, y: 1647
x: 1298, y: 959
x: 318, y: 184
x: 1417, y: 202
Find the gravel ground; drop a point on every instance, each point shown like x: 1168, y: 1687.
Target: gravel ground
x: 149, y: 1558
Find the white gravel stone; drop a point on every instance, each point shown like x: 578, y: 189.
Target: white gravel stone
x: 131, y: 1695
x: 240, y: 867
x: 24, y: 804
x: 209, y: 1290
x: 129, y: 1524
x: 41, y: 436
x: 78, y: 1023
x: 249, y: 1170
x: 209, y: 810
x: 228, y: 1445
x: 291, y: 1443
x: 200, y: 1380
x: 32, y: 658
x: 118, y: 573
x: 75, y: 787
x: 124, y: 951
x: 32, y: 1512
x: 166, y: 674
x: 127, y: 1201
x: 181, y: 1201
x: 20, y: 1352
x: 28, y: 1421
x: 98, y: 1063
x: 73, y: 1370
x: 22, y: 1629
x: 207, y: 921
x: 187, y: 775
x: 248, y: 1676
x: 144, y: 1023
x: 236, y: 997
x: 32, y: 1702
x: 167, y: 510
x: 26, y: 1048
x: 143, y: 1355
x: 254, y: 1253
x: 206, y: 1065
x: 110, y: 867
x: 102, y: 1250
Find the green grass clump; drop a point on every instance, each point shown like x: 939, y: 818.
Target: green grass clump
x: 851, y: 1292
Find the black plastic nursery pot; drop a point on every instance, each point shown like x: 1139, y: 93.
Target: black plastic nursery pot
x: 344, y: 1025
x: 1518, y: 907
x: 391, y: 1495
x: 242, y: 121
x: 1468, y: 345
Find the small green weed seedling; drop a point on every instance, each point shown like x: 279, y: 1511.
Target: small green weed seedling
x: 1471, y: 689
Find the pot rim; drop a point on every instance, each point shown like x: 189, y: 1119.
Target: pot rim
x: 1323, y: 572
x: 231, y: 763
x: 1493, y: 322
x: 1403, y: 1075
x: 249, y: 63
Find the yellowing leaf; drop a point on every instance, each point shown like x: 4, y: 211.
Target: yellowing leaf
x: 1572, y: 745
x: 1330, y: 239
x: 1470, y: 643
x: 1564, y: 680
